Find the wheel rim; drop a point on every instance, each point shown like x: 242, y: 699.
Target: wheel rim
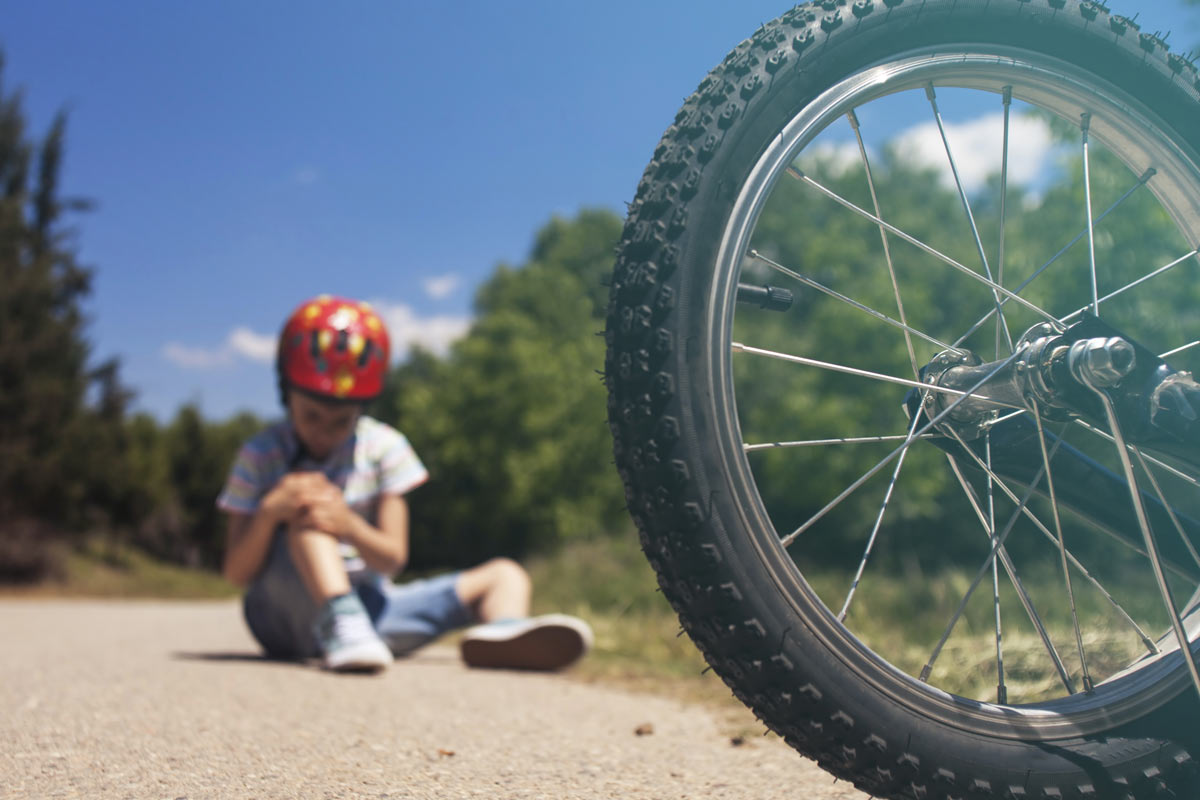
x: 1126, y: 130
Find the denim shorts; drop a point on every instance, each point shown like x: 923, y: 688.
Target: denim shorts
x: 280, y: 612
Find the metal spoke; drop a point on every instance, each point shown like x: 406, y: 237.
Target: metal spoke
x: 1001, y: 690
x: 1062, y: 549
x: 912, y: 437
x: 1179, y: 350
x: 1187, y: 542
x: 908, y: 331
x: 887, y: 498
x: 1007, y: 101
x: 1075, y: 562
x: 796, y: 173
x: 751, y: 448
x: 931, y: 95
x: 1156, y: 562
x: 1010, y: 568
x: 887, y: 250
x: 1129, y: 286
x: 1146, y: 176
x: 1085, y: 125
x: 1004, y: 418
x: 1194, y: 481
x: 738, y: 347
x: 962, y: 606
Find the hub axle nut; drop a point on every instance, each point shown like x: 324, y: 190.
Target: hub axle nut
x: 1100, y: 361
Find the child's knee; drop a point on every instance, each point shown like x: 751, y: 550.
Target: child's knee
x: 509, y: 573
x: 306, y: 536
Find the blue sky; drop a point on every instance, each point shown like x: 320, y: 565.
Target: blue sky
x: 246, y: 155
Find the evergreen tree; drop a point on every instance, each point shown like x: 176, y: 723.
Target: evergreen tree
x: 48, y: 480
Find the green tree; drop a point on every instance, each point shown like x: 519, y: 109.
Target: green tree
x: 46, y: 488
x: 511, y: 423
x: 197, y: 455
x: 778, y: 401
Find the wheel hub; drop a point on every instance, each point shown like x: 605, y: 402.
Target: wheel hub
x: 1057, y: 375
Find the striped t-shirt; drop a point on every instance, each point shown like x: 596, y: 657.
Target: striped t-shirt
x: 376, y: 460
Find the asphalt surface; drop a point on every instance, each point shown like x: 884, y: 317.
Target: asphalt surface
x: 170, y: 700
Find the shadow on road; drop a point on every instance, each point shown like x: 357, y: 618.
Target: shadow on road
x: 428, y: 656
x: 235, y: 656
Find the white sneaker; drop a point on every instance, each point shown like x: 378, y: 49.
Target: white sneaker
x: 347, y: 638
x: 549, y: 642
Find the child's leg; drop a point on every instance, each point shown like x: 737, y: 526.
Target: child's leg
x: 414, y: 614
x: 319, y: 562
x: 507, y: 637
x: 278, y: 608
x: 497, y: 589
x: 342, y: 628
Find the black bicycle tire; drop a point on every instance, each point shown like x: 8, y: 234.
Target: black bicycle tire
x: 792, y: 680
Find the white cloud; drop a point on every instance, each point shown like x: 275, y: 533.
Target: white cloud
x: 241, y: 343
x: 196, y: 357
x: 305, y: 176
x: 407, y: 328
x: 977, y: 146
x: 441, y: 286
x: 251, y: 345
x: 839, y: 157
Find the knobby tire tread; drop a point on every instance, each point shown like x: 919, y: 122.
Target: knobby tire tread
x: 659, y: 449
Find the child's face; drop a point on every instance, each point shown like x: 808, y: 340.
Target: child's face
x: 322, y: 427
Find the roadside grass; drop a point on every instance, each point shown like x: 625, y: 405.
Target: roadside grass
x: 639, y: 642
x: 99, y: 570
x: 900, y: 616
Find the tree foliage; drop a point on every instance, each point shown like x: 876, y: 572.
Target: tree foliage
x: 46, y: 487
x: 72, y: 463
x: 511, y: 423
x: 177, y: 471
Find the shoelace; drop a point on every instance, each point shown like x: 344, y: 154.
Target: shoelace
x: 347, y: 628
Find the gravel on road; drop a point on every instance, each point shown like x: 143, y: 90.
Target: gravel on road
x: 110, y: 699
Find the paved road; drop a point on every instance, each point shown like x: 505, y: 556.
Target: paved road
x: 168, y: 700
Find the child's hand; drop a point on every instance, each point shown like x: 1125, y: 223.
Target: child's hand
x: 325, y: 509
x: 294, y: 493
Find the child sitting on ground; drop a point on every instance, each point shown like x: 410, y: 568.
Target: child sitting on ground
x: 318, y: 523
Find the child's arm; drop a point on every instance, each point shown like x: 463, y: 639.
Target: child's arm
x: 383, y: 548
x: 248, y: 536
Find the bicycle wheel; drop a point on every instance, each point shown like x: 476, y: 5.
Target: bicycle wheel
x: 839, y: 385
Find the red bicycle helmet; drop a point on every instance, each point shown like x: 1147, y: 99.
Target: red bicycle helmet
x: 333, y: 348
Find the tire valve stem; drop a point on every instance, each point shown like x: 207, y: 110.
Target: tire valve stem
x: 771, y: 298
